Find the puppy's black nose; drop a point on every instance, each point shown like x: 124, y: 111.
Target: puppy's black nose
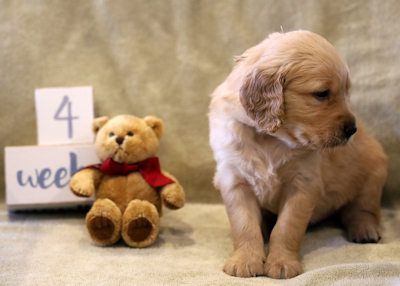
x: 119, y: 140
x: 349, y: 129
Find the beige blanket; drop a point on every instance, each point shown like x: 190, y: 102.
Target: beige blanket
x: 193, y: 244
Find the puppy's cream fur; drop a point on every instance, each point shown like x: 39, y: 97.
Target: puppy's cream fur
x: 280, y: 148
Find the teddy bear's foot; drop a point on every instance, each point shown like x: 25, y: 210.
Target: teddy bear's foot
x: 139, y: 229
x: 104, y: 222
x: 140, y: 224
x: 101, y: 227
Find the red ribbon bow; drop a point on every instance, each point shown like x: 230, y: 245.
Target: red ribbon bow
x: 150, y: 170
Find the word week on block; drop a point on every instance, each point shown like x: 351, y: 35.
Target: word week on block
x: 39, y: 176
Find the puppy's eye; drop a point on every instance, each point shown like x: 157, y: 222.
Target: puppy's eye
x: 112, y: 134
x: 129, y: 134
x: 321, y: 94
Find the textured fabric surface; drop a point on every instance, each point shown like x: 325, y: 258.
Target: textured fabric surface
x: 193, y: 244
x: 165, y: 57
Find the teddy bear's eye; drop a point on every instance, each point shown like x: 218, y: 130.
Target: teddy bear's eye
x: 129, y: 134
x: 112, y: 134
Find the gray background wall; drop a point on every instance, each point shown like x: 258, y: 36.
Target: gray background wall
x: 165, y: 57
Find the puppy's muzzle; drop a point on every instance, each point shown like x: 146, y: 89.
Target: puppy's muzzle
x: 349, y: 129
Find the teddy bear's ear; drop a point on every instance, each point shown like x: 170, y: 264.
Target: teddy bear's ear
x: 155, y: 123
x: 98, y: 123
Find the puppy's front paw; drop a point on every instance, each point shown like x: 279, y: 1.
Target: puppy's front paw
x: 364, y: 233
x: 281, y: 268
x: 243, y: 264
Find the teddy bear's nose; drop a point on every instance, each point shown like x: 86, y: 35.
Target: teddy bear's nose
x: 119, y: 140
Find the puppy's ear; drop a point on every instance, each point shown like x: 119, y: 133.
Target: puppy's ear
x: 98, y: 123
x: 155, y: 123
x: 262, y: 98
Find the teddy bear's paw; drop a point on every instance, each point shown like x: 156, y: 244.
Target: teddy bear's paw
x: 139, y: 229
x: 84, y: 193
x: 173, y: 197
x: 169, y: 204
x: 101, y: 227
x: 140, y: 224
x: 104, y: 222
x: 80, y: 185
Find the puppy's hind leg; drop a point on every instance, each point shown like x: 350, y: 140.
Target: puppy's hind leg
x: 361, y: 217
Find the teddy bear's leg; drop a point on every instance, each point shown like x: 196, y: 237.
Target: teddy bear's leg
x: 104, y: 222
x: 140, y: 224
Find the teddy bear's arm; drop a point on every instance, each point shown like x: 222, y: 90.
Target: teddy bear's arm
x: 172, y: 195
x: 85, y: 182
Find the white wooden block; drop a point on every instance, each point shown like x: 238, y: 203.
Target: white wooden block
x: 64, y: 115
x: 38, y: 177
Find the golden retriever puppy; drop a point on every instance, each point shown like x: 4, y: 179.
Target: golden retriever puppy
x: 286, y: 142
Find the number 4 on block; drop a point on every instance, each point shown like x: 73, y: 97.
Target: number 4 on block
x: 64, y: 115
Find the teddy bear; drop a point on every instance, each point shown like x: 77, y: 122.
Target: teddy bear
x: 129, y: 185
